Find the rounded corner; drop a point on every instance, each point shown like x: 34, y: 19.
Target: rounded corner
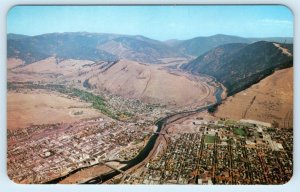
x: 290, y: 179
x: 289, y: 8
x: 7, y: 15
x: 12, y: 180
x: 11, y: 8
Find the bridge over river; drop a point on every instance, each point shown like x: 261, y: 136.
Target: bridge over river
x: 144, y: 153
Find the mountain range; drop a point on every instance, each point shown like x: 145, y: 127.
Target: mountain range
x: 111, y: 47
x: 234, y: 61
x: 88, y: 46
x: 199, y: 45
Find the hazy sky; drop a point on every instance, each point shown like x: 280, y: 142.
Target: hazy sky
x: 158, y: 22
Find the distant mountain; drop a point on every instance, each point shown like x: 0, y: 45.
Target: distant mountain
x: 288, y: 40
x: 200, y: 45
x: 88, y: 46
x: 139, y: 48
x: 79, y: 46
x: 173, y: 42
x: 238, y: 66
x: 16, y: 36
x: 111, y: 47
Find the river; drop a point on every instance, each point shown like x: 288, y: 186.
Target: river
x: 161, y: 123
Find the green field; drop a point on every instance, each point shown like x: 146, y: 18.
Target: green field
x: 209, y: 139
x: 239, y: 131
x: 230, y: 122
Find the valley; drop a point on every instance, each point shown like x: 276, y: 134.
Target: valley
x: 116, y: 111
x: 56, y: 100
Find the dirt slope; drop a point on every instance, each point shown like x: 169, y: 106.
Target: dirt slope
x: 151, y: 84
x: 269, y: 100
x: 130, y: 79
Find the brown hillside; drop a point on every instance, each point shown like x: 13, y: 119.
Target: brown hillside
x: 270, y: 100
x: 129, y: 79
x: 152, y: 84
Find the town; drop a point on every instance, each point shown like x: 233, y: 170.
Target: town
x: 222, y: 152
x: 45, y: 152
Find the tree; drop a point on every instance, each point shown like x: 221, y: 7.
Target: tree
x: 275, y: 124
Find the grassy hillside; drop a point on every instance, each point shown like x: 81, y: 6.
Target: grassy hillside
x: 238, y: 66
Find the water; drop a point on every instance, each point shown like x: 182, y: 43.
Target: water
x: 149, y: 146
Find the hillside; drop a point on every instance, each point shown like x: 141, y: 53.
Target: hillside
x: 88, y: 46
x: 214, y: 58
x: 270, y: 100
x: 288, y: 40
x: 139, y: 48
x: 129, y: 79
x: 199, y: 45
x: 151, y: 84
x: 63, y: 46
x: 238, y: 66
x: 16, y: 36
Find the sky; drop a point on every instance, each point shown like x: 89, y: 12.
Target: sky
x: 157, y: 22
